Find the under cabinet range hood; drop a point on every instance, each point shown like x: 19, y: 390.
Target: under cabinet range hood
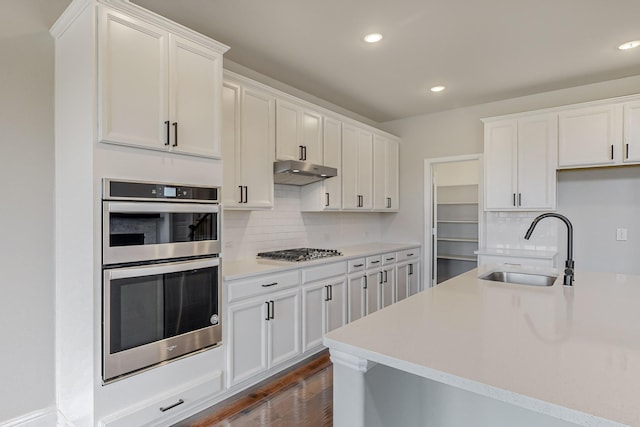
x: 294, y: 172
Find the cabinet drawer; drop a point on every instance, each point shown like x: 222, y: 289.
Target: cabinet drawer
x: 356, y: 265
x: 258, y: 285
x: 320, y: 272
x: 412, y: 253
x: 389, y: 258
x: 374, y: 261
x: 168, y: 408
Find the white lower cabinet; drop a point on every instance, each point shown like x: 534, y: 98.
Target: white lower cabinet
x: 324, y: 309
x: 388, y: 286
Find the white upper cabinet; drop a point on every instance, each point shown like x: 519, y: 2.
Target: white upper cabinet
x: 157, y: 90
x: 631, y: 132
x: 520, y: 163
x: 298, y: 133
x: 357, y: 166
x: 248, y: 137
x: 590, y: 136
x: 385, y: 174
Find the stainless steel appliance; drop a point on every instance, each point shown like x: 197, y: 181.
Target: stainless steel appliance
x: 299, y: 254
x: 298, y: 172
x: 161, y: 274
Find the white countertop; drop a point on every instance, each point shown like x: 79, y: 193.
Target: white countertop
x: 240, y: 269
x: 569, y: 352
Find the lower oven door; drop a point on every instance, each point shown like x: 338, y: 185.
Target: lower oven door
x: 155, y: 313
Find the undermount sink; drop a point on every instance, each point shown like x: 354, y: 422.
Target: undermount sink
x: 519, y: 278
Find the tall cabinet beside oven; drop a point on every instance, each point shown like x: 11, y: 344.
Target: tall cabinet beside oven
x: 137, y: 97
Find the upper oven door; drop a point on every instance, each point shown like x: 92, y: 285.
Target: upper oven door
x: 147, y: 231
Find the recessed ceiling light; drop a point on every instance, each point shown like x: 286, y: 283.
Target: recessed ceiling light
x: 437, y: 89
x: 629, y: 45
x: 373, y: 37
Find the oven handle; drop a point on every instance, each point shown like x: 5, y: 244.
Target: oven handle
x: 150, y: 270
x: 129, y: 207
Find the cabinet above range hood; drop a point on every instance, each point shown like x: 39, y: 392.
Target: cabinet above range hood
x: 294, y: 172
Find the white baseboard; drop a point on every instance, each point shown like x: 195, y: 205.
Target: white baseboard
x: 47, y: 417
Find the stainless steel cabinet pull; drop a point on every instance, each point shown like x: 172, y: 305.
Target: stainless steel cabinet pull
x: 327, y: 194
x: 269, y: 284
x: 273, y: 309
x: 168, y: 132
x: 268, y: 309
x: 165, y: 409
x: 175, y: 134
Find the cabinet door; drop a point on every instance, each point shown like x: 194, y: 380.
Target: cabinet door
x: 537, y: 162
x: 256, y: 157
x: 379, y: 172
x: 288, y: 131
x: 392, y: 175
x: 133, y: 82
x: 349, y: 167
x: 402, y: 282
x: 372, y: 294
x: 631, y: 132
x: 365, y: 169
x: 332, y: 148
x: 194, y: 98
x: 284, y: 327
x: 336, y: 313
x: 356, y: 296
x: 413, y: 278
x: 312, y: 136
x: 313, y: 314
x: 500, y: 162
x: 231, y: 144
x: 247, y: 340
x: 388, y: 291
x: 587, y: 137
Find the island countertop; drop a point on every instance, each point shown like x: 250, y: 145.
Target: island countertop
x: 569, y: 352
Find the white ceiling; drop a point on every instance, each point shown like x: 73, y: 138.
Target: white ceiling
x: 481, y: 50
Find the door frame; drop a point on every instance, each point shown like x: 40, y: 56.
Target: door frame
x: 427, y: 244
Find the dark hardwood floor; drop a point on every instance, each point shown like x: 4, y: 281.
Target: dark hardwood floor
x: 302, y: 396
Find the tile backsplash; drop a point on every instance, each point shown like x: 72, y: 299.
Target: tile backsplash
x: 506, y: 230
x: 245, y: 233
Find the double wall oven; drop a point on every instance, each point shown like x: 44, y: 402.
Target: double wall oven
x: 161, y: 273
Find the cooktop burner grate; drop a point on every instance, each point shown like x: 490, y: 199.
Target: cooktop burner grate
x: 299, y: 254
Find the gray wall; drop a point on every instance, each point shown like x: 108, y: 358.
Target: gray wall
x: 459, y: 131
x: 27, y: 368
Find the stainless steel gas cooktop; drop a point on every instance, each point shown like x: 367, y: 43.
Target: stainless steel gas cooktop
x: 299, y: 254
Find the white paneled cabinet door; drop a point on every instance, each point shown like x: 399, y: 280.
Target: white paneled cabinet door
x: 248, y: 340
x: 336, y: 313
x: 284, y: 327
x: 231, y: 144
x: 257, y: 148
x: 365, y: 169
x: 388, y: 286
x: 392, y: 181
x: 631, y: 132
x: 379, y: 172
x: 313, y: 320
x: 194, y: 99
x: 413, y: 278
x: 350, y: 199
x: 500, y: 174
x: 402, y: 282
x: 332, y: 148
x: 356, y: 296
x: 374, y: 284
x: 133, y: 82
x: 588, y: 137
x: 537, y: 162
x: 298, y: 133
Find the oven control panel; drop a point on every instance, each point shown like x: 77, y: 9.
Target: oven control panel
x: 137, y: 190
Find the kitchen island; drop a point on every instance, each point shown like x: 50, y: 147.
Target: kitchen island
x: 483, y: 353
